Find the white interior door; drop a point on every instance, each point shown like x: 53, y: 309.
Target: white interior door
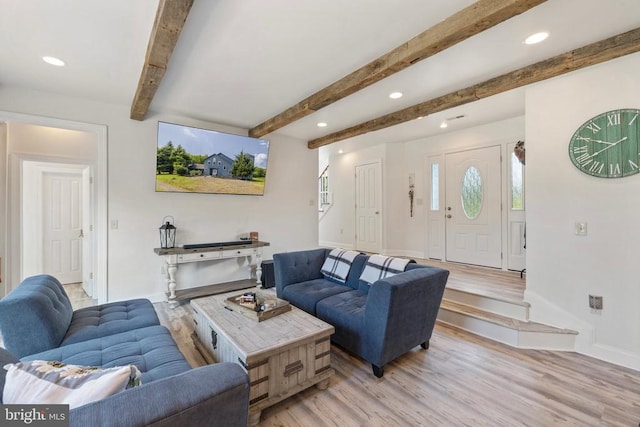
x: 368, y: 207
x: 62, y: 226
x: 473, y: 207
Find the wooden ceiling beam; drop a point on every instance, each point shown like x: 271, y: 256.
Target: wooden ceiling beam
x: 466, y: 23
x: 170, y: 18
x: 595, y: 53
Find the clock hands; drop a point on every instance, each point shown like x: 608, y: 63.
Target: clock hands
x: 610, y: 145
x: 604, y: 142
x: 586, y: 138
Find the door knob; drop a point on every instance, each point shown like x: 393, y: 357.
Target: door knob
x: 81, y: 233
x: 448, y: 215
x: 377, y: 212
x: 448, y: 208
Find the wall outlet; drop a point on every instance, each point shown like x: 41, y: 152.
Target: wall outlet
x: 114, y: 224
x: 595, y: 302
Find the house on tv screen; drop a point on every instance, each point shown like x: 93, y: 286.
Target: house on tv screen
x: 220, y: 165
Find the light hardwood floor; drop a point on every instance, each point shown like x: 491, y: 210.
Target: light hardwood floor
x: 482, y: 280
x: 462, y: 380
x: 78, y: 297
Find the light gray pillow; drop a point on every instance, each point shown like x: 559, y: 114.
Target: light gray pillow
x: 50, y: 382
x: 5, y: 358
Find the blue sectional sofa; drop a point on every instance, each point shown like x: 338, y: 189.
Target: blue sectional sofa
x: 378, y: 321
x: 37, y: 322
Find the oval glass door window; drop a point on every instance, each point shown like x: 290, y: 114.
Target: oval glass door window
x: 472, y: 192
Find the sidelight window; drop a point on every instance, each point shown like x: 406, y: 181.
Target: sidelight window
x: 517, y: 183
x: 435, y: 187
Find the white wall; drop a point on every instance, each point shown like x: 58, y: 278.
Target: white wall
x: 562, y: 268
x: 395, y: 198
x: 286, y: 216
x: 67, y: 143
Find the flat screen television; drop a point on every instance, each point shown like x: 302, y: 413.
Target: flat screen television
x: 194, y: 160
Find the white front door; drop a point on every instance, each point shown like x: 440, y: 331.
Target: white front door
x: 473, y: 207
x: 62, y: 226
x: 368, y: 207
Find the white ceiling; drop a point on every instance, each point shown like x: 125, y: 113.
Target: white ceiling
x: 240, y: 62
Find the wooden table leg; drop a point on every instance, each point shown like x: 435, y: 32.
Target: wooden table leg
x: 323, y: 385
x: 254, y: 417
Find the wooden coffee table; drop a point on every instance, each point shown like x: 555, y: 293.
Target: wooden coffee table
x: 283, y: 355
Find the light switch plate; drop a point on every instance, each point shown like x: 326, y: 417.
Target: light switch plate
x: 581, y: 228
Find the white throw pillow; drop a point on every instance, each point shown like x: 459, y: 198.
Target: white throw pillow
x: 380, y: 267
x: 338, y: 264
x: 43, y: 382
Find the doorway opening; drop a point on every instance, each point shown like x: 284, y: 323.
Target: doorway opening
x: 43, y: 152
x: 476, y: 212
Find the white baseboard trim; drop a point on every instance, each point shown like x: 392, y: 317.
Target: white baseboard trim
x: 154, y: 298
x: 342, y: 245
x: 403, y: 253
x: 548, y: 313
x: 614, y: 355
x: 543, y: 311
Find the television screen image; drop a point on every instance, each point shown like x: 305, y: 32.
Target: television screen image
x: 194, y: 160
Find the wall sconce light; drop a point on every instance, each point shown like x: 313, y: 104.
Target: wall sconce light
x: 412, y: 187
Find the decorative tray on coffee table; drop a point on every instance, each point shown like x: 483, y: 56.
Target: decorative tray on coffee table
x: 257, y: 306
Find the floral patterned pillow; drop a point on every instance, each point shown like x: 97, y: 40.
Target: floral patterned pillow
x: 43, y: 382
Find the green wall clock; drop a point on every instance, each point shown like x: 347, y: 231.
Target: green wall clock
x: 608, y: 145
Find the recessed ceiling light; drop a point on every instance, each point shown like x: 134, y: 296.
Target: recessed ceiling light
x: 395, y: 95
x: 536, y: 38
x: 340, y: 151
x: 322, y: 125
x: 53, y: 61
x: 443, y: 125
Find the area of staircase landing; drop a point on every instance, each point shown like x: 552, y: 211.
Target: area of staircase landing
x: 490, y: 302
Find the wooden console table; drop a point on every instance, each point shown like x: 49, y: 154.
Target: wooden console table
x: 176, y: 256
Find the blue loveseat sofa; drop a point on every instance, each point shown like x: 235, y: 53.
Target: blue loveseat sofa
x: 378, y: 321
x: 37, y: 322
